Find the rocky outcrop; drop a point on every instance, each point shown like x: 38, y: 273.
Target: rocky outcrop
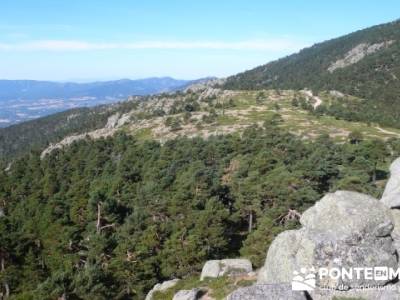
x: 368, y: 294
x: 358, y: 53
x: 391, y: 195
x: 267, y: 292
x: 218, y: 268
x: 285, y: 292
x: 342, y: 230
x: 114, y: 122
x: 391, y: 198
x: 194, y: 294
x: 396, y: 229
x: 336, y: 94
x: 161, y: 287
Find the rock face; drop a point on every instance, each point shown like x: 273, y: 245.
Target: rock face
x: 160, y: 287
x: 218, y: 268
x: 114, y: 122
x: 358, y: 53
x: 371, y: 294
x: 342, y: 230
x: 391, y: 195
x: 391, y: 198
x: 396, y: 230
x: 345, y: 213
x: 336, y: 94
x: 193, y: 294
x: 267, y: 292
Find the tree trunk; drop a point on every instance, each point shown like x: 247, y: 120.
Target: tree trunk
x: 374, y: 174
x: 250, y: 221
x: 98, y: 226
x: 63, y: 297
x: 6, y: 286
x: 7, y: 290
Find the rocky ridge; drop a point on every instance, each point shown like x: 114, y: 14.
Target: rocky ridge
x: 206, y: 110
x: 151, y: 113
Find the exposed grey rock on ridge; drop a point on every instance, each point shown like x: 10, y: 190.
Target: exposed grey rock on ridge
x: 343, y: 230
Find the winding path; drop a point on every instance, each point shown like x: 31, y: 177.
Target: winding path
x: 317, y: 99
x: 387, y: 131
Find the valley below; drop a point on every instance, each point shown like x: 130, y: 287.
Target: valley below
x: 17, y: 111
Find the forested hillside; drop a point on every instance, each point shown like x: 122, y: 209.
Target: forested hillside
x: 365, y: 63
x: 19, y: 139
x: 202, y: 113
x: 107, y: 219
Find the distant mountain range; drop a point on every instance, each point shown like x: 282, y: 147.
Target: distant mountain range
x: 22, y: 100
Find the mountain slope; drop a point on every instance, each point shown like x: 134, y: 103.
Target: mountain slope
x: 203, y: 113
x: 365, y: 63
x: 21, y: 138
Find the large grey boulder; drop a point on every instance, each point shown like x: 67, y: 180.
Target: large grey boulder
x: 193, y: 294
x: 218, y: 268
x: 345, y: 213
x: 267, y: 292
x: 367, y: 294
x: 161, y: 287
x: 396, y: 231
x: 283, y: 258
x: 342, y: 230
x: 391, y: 198
x: 391, y: 195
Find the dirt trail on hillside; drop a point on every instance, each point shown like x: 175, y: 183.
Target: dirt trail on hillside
x: 387, y: 131
x: 317, y: 99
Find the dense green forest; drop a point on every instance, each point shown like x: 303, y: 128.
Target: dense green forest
x: 374, y: 78
x: 109, y: 218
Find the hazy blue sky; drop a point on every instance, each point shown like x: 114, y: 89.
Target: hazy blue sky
x: 104, y: 39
